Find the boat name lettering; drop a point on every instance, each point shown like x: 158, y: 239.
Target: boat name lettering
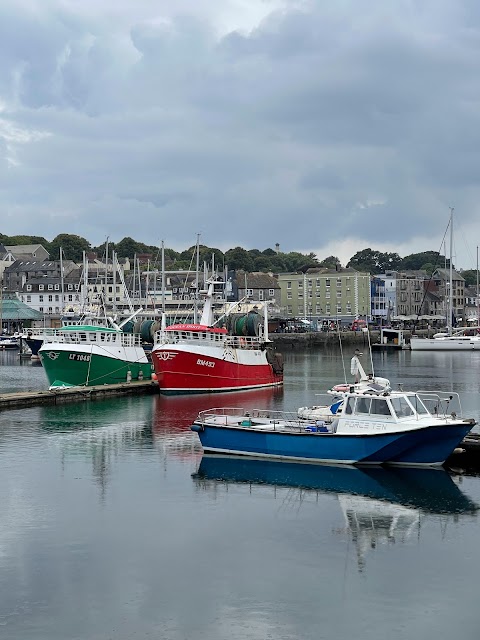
x: 354, y: 424
x: 205, y: 363
x: 79, y: 356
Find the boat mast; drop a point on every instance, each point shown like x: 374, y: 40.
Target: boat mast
x: 163, y: 277
x: 478, y: 301
x: 195, y: 310
x: 450, y: 277
x: 62, y: 285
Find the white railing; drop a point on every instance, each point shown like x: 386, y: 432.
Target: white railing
x: 241, y: 417
x: 101, y: 338
x: 194, y: 337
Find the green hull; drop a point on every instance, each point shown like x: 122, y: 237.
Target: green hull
x: 71, y: 368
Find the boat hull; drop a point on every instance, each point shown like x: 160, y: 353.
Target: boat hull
x: 77, y: 365
x: 441, y: 344
x: 425, y: 446
x: 181, y: 371
x: 34, y: 344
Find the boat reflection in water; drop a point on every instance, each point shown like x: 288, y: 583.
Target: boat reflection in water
x: 174, y: 415
x: 380, y: 506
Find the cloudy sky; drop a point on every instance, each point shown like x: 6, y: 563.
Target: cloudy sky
x: 323, y: 126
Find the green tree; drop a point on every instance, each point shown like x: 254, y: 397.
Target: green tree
x: 415, y: 261
x: 332, y: 262
x: 239, y: 258
x: 374, y: 261
x: 73, y: 247
x: 470, y: 276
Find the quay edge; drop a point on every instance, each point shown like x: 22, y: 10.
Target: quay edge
x: 22, y: 399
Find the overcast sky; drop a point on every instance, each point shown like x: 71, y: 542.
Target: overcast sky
x: 323, y: 126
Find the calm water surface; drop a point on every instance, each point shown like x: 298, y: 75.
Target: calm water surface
x: 113, y: 525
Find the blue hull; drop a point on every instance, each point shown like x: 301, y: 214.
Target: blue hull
x: 429, y: 446
x: 432, y: 490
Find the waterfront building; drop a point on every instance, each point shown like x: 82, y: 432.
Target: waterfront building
x: 320, y: 294
x: 258, y: 288
x: 441, y: 278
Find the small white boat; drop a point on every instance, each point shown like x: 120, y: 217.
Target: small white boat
x: 465, y: 339
x: 9, y: 342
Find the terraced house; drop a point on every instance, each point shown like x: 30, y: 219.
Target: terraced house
x: 326, y: 294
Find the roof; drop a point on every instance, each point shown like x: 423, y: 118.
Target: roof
x: 11, y: 308
x: 28, y: 264
x: 87, y: 327
x: 445, y: 274
x: 256, y: 280
x: 24, y: 249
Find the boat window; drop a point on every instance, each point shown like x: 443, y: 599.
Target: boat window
x: 379, y: 407
x: 349, y: 407
x: 363, y: 405
x: 401, y: 407
x: 418, y: 405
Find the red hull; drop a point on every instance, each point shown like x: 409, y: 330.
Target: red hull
x: 183, y: 372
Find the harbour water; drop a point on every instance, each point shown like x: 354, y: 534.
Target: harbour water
x: 113, y: 526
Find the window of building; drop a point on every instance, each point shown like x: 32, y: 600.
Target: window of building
x: 50, y: 287
x: 289, y: 285
x: 339, y: 282
x: 29, y: 287
x: 70, y: 297
x: 271, y: 293
x: 300, y: 284
x: 327, y: 294
x: 40, y: 298
x: 57, y: 298
x: 249, y: 292
x: 260, y: 294
x: 70, y: 287
x: 339, y: 294
x: 57, y: 287
x: 289, y: 295
x: 41, y: 287
x: 57, y: 310
x: 339, y: 308
x: 50, y: 309
x: 29, y: 298
x: 50, y: 298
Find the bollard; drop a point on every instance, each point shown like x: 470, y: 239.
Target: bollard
x: 140, y: 375
x: 129, y: 376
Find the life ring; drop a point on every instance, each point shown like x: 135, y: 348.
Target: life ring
x: 341, y: 387
x: 242, y: 342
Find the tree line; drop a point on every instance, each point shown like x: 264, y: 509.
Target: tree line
x: 367, y: 260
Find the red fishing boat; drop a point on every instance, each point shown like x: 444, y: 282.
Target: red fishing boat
x: 202, y: 358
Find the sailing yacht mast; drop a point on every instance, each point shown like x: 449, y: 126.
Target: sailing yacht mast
x: 450, y: 278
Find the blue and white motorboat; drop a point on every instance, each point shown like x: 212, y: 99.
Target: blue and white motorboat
x: 362, y: 427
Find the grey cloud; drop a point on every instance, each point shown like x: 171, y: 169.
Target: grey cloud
x: 337, y: 115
